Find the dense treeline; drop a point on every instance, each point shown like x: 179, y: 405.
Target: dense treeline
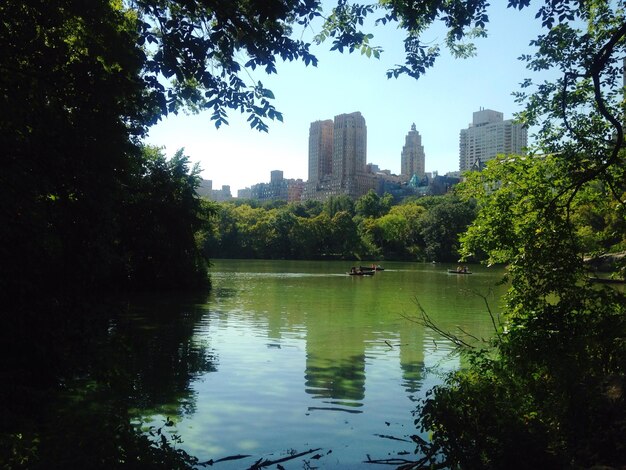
x: 424, y: 229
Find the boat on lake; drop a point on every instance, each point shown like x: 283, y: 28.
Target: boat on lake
x: 459, y: 271
x: 361, y: 272
x: 377, y: 267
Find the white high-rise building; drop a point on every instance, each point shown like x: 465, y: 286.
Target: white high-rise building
x: 490, y: 135
x: 412, y: 158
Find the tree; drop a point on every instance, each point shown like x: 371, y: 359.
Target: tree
x: 393, y: 235
x: 441, y: 227
x: 344, y: 241
x: 323, y: 230
x: 304, y: 238
x: 412, y: 242
x: 313, y: 208
x: 279, y: 241
x: 159, y: 222
x: 252, y: 229
x: 341, y: 203
x: 372, y: 205
x: 203, y: 48
x: 558, y: 365
x: 70, y: 104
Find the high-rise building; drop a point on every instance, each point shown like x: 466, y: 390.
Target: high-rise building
x: 345, y: 172
x: 487, y: 136
x: 412, y: 157
x: 276, y: 176
x: 349, y: 145
x: 320, y: 149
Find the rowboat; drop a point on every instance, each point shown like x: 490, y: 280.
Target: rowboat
x: 361, y: 273
x: 455, y: 271
x: 378, y: 267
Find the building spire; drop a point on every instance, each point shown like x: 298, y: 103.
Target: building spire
x: 413, y: 127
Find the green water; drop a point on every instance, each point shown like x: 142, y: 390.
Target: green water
x: 290, y: 356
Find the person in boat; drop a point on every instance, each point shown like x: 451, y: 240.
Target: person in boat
x: 352, y: 270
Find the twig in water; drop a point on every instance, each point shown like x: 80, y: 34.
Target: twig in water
x: 392, y: 437
x: 267, y: 463
x: 224, y: 459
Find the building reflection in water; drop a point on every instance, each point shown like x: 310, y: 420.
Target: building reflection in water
x: 339, y: 347
x: 412, y: 360
x: 338, y: 381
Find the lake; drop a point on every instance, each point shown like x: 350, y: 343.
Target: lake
x: 288, y: 356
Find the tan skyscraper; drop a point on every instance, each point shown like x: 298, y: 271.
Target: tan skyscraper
x: 320, y: 150
x: 338, y: 158
x: 350, y: 145
x: 412, y: 157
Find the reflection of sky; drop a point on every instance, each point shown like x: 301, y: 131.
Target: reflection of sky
x: 299, y: 355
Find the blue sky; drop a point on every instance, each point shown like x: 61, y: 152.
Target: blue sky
x: 440, y: 104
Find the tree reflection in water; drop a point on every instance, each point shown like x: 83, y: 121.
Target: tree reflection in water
x: 134, y: 356
x: 160, y: 354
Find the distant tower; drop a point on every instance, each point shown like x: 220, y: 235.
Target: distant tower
x: 412, y: 160
x: 350, y: 145
x: 488, y: 136
x: 320, y: 150
x: 276, y: 176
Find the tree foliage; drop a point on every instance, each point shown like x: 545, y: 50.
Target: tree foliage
x: 407, y: 232
x: 558, y: 365
x: 69, y: 101
x: 372, y: 205
x: 202, y: 50
x: 160, y: 218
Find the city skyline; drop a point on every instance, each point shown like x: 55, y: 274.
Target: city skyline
x: 440, y: 104
x: 338, y: 163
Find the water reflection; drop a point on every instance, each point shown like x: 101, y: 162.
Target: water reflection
x: 337, y: 381
x: 307, y: 357
x: 162, y: 356
x: 412, y: 360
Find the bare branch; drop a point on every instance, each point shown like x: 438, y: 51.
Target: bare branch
x: 427, y: 322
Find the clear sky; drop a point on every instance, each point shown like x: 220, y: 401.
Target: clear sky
x: 440, y: 104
